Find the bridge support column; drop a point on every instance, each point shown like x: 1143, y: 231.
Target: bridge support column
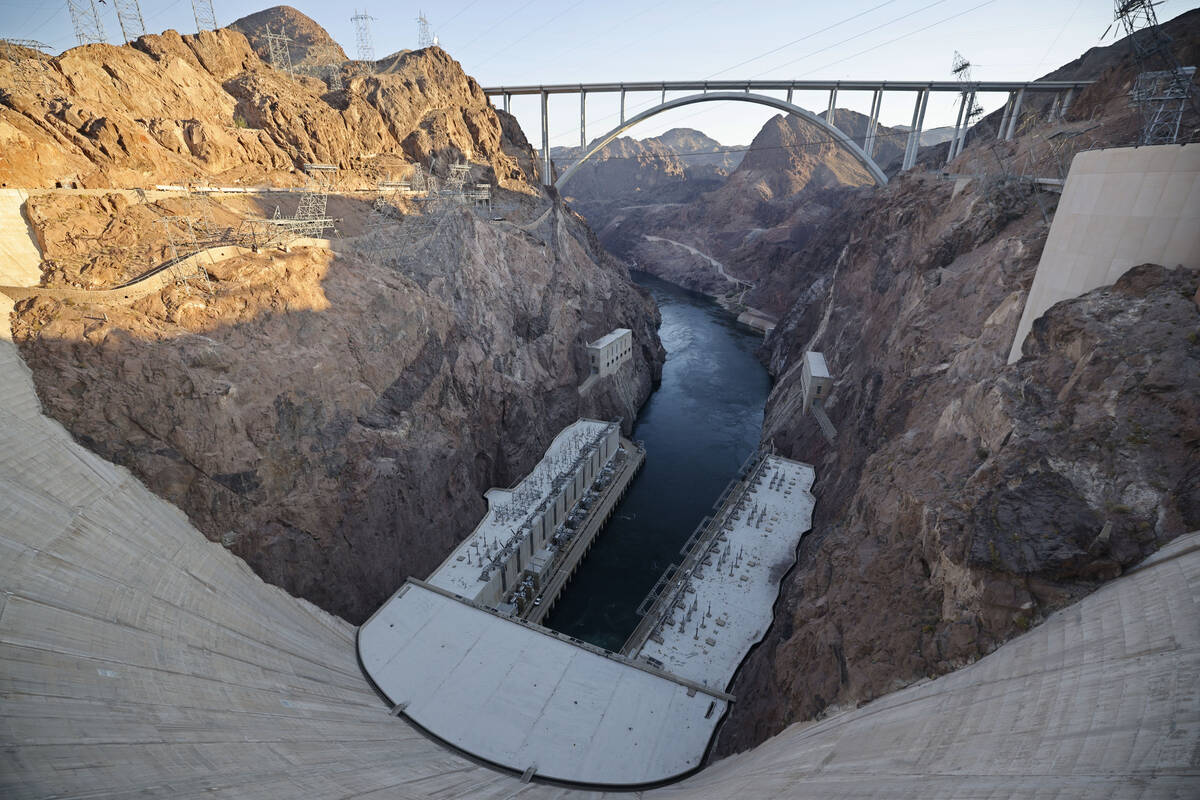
x: 958, y: 121
x: 873, y: 123
x: 547, y: 176
x: 966, y: 123
x: 789, y: 94
x: 582, y: 117
x: 664, y: 93
x: 914, y: 133
x: 1066, y: 103
x: 1015, y: 116
x: 622, y: 106
x: 507, y: 102
x: 828, y: 111
x: 1007, y: 113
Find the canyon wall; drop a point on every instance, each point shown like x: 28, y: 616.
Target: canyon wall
x: 963, y: 498
x: 720, y: 233
x: 332, y: 414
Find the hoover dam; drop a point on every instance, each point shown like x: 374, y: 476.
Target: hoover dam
x: 349, y: 450
x: 139, y: 657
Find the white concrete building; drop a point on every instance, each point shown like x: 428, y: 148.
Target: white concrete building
x: 815, y: 381
x: 610, y: 351
x: 722, y: 600
x: 516, y: 535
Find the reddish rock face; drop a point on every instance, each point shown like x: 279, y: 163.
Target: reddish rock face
x: 171, y: 109
x: 750, y: 219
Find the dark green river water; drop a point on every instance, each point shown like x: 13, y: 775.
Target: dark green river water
x: 699, y: 426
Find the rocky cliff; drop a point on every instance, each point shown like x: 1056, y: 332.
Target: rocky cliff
x: 331, y: 414
x: 309, y: 44
x: 789, y: 183
x: 206, y: 108
x: 963, y: 499
x: 676, y: 167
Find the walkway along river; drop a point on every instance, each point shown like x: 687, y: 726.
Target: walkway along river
x: 699, y: 427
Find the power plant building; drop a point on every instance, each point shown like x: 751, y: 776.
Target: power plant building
x: 516, y: 538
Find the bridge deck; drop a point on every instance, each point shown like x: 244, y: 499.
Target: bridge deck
x: 784, y: 85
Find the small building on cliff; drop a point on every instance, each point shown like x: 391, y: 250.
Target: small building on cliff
x: 610, y: 351
x: 815, y: 380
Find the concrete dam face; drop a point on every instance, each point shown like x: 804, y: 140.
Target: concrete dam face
x: 137, y: 657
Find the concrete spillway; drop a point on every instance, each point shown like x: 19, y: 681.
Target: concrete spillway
x: 136, y: 657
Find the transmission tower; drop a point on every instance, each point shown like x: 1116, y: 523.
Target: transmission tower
x: 85, y: 17
x: 969, y: 110
x: 962, y: 72
x: 34, y: 78
x: 8, y: 47
x: 129, y: 15
x: 424, y: 34
x: 362, y: 35
x: 1163, y: 89
x: 326, y: 64
x: 310, y: 212
x: 277, y: 45
x: 206, y: 20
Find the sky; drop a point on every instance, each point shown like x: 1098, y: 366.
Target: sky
x: 571, y: 41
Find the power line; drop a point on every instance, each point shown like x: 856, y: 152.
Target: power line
x: 801, y: 39
x: 459, y: 14
x: 624, y: 23
x: 893, y: 41
x: 492, y: 26
x: 530, y: 33
x: 1058, y: 35
x: 855, y: 36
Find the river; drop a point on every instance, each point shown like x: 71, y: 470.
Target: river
x: 699, y: 426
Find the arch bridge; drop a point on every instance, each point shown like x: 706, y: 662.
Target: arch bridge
x: 754, y: 92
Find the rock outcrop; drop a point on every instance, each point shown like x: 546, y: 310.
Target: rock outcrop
x: 309, y: 44
x: 171, y: 109
x: 789, y: 183
x: 676, y: 167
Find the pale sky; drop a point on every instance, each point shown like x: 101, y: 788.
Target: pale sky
x: 569, y: 41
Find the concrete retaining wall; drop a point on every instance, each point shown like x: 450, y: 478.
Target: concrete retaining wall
x: 1120, y: 208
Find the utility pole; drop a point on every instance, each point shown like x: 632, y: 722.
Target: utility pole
x: 85, y: 17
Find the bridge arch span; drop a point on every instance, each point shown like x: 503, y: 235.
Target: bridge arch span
x: 744, y: 97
